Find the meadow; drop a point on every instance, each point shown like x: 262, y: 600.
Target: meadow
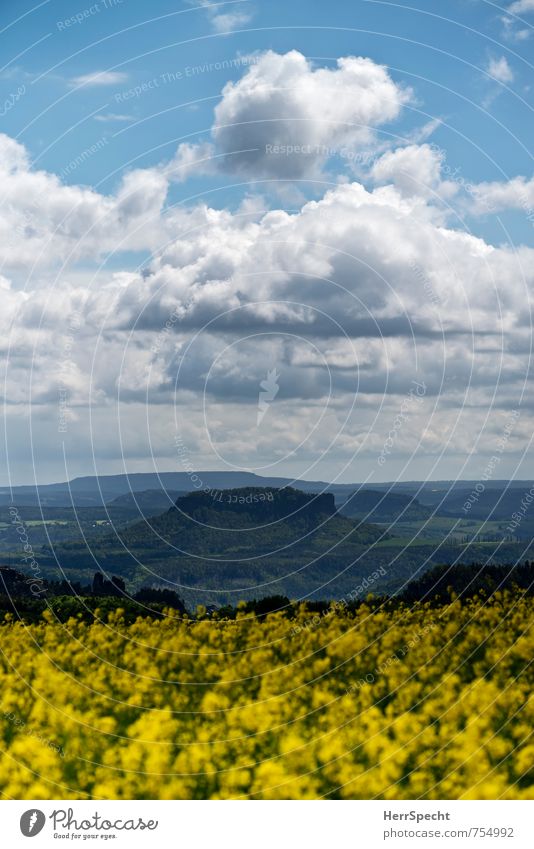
x: 385, y: 701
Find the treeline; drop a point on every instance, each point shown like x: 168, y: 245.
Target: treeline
x: 25, y: 598
x: 437, y: 586
x: 442, y: 583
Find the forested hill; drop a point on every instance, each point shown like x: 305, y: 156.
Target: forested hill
x: 256, y: 506
x: 248, y: 522
x: 228, y: 541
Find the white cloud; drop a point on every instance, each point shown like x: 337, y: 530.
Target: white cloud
x: 214, y: 267
x: 226, y: 17
x: 517, y: 193
x: 284, y: 118
x: 113, y: 116
x: 44, y: 219
x: 500, y: 70
x: 511, y: 32
x: 414, y: 170
x: 190, y: 160
x: 230, y: 21
x: 99, y: 78
x: 521, y: 6
x: 385, y: 267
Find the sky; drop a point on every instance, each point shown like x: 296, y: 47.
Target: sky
x: 295, y: 239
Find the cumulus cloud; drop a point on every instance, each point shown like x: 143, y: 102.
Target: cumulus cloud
x: 385, y: 269
x: 517, y: 193
x: 192, y: 160
x: 42, y: 218
x: 284, y: 118
x: 232, y: 295
x: 415, y: 170
x: 420, y: 171
x: 382, y: 271
x: 500, y: 70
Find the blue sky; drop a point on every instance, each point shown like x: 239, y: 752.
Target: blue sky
x: 143, y: 185
x: 441, y: 50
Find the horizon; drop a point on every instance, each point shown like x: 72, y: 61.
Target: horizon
x: 488, y: 484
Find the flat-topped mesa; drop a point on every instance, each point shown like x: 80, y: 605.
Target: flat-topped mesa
x: 264, y: 503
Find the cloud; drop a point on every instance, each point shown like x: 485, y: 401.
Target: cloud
x: 386, y: 269
x: 414, y: 170
x: 511, y: 32
x: 99, y: 78
x: 113, y: 116
x: 517, y: 193
x: 360, y: 291
x: 230, y: 21
x: 226, y: 17
x: 521, y: 7
x: 284, y: 118
x: 500, y: 70
x: 192, y: 160
x: 43, y: 218
x: 307, y: 286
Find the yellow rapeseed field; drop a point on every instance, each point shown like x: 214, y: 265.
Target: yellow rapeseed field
x: 404, y: 703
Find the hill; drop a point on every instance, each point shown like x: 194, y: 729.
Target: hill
x: 221, y: 546
x: 249, y: 522
x: 147, y: 502
x: 243, y: 542
x: 376, y: 506
x: 91, y: 491
x: 497, y: 503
